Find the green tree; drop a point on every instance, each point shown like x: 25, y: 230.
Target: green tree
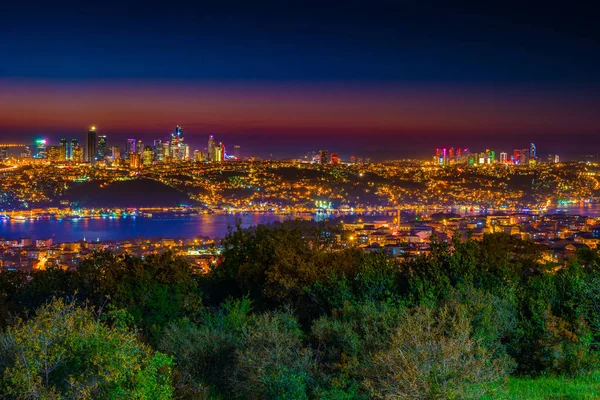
x: 433, y: 355
x: 64, y: 351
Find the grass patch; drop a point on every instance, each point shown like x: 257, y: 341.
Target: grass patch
x: 552, y: 388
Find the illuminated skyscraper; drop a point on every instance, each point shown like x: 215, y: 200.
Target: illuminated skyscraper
x: 211, y: 148
x: 91, y: 146
x: 102, y: 148
x: 324, y: 154
x: 139, y: 146
x: 41, y: 148
x: 159, y: 150
x: 503, y: 158
x: 77, y: 154
x: 130, y: 147
x: 147, y: 156
x: 237, y: 152
x: 54, y: 153
x: 532, y: 151
x: 185, y: 151
x: 116, y: 153
x: 177, y: 152
x: 335, y: 158
x: 4, y: 153
x: 74, y: 143
x: 217, y: 153
x: 63, y: 149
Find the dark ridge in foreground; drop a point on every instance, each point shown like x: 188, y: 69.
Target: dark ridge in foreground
x: 134, y: 193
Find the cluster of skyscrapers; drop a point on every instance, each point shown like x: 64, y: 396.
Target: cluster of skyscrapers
x: 136, y: 154
x: 526, y: 156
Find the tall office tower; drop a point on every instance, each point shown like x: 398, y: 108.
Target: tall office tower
x: 63, y: 149
x: 335, y: 158
x: 102, y: 148
x: 41, y: 148
x: 115, y: 152
x: 503, y: 158
x: 237, y: 151
x: 54, y: 153
x: 524, y: 159
x: 185, y: 151
x: 490, y: 156
x: 130, y: 147
x: 159, y: 150
x: 26, y: 153
x: 74, y: 143
x: 323, y: 154
x: 223, y: 155
x: 556, y: 158
x: 451, y: 155
x: 532, y: 151
x: 147, y: 156
x: 177, y: 143
x: 444, y: 156
x: 4, y: 153
x: 135, y: 160
x: 217, y: 153
x: 166, y: 154
x: 516, y: 157
x: 91, y: 146
x: 211, y: 148
x: 77, y: 154
x: 139, y: 146
x: 198, y: 156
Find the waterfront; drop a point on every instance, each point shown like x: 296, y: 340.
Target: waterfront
x: 197, y: 225
x: 70, y: 230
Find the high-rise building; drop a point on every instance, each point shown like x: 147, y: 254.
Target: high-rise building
x: 199, y: 156
x: 532, y: 151
x: 77, y: 154
x: 91, y: 146
x: 147, y: 156
x: 217, y: 153
x: 53, y: 153
x: 116, y: 153
x: 41, y: 148
x: 102, y: 148
x: 130, y: 147
x: 4, y: 153
x: 159, y: 150
x: 63, y: 149
x: 335, y: 158
x: 74, y: 143
x: 323, y: 154
x: 135, y: 160
x: 211, y: 148
x: 177, y: 151
x: 166, y: 154
x: 139, y: 146
x: 237, y: 151
x: 503, y: 158
x: 185, y: 151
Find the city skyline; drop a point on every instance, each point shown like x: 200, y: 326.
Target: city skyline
x: 395, y: 83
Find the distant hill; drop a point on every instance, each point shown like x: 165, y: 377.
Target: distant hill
x: 133, y: 193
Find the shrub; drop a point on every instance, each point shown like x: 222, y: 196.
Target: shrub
x: 432, y: 355
x: 65, y: 352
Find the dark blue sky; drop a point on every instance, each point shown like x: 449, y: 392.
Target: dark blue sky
x: 380, y: 41
x: 524, y: 47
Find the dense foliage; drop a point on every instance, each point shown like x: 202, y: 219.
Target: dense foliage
x: 289, y: 312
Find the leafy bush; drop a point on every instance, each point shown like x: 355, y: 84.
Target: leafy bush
x: 64, y: 351
x: 432, y: 355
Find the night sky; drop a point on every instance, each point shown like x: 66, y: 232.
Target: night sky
x: 379, y: 79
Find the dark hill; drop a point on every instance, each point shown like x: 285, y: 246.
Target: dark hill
x: 133, y: 193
